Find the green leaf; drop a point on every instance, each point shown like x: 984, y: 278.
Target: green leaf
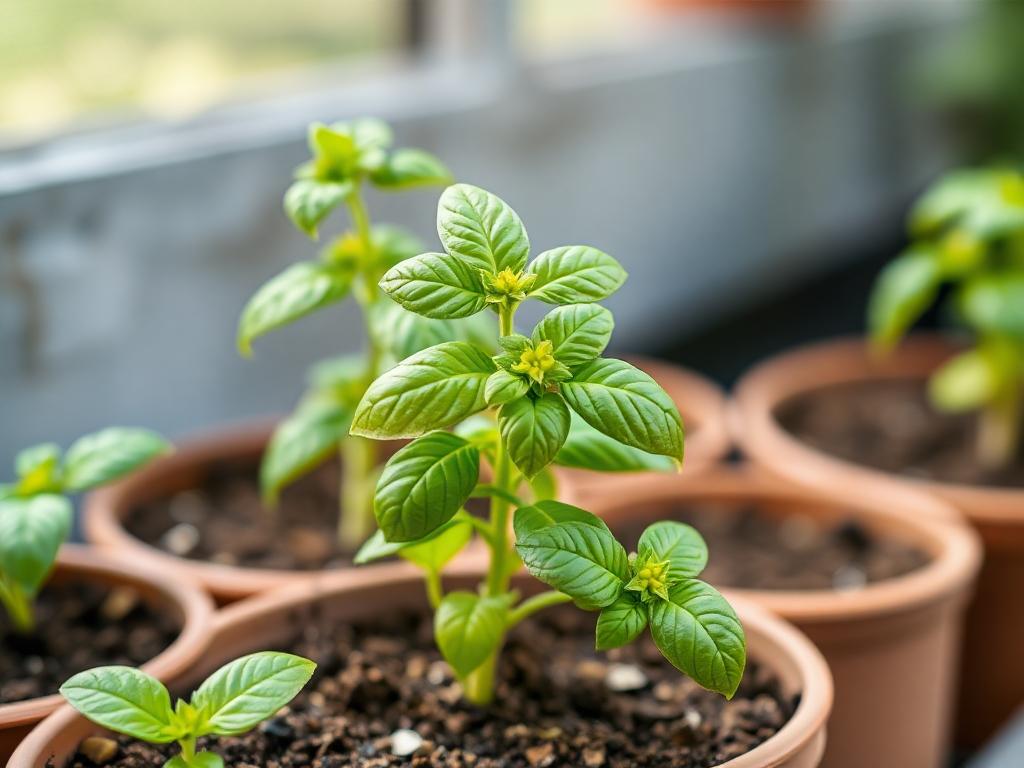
x: 201, y: 760
x: 308, y: 201
x: 578, y: 332
x: 303, y: 441
x: 984, y: 202
x: 626, y: 404
x: 582, y: 560
x: 544, y: 485
x: 481, y: 229
x: 42, y: 456
x: 343, y: 373
x: 621, y: 622
x: 433, y: 389
x: 31, y: 532
x: 334, y: 147
x: 503, y: 387
x: 244, y: 692
x: 403, y: 333
x: 437, y: 551
x: 533, y: 429
x: 394, y: 245
x: 680, y: 544
x: 968, y: 381
x: 903, y: 291
x: 108, y: 454
x: 995, y: 304
x: 299, y: 290
x: 368, y: 132
x: 405, y: 168
x: 575, y: 274
x: 424, y: 484
x: 469, y: 628
x: 435, y: 285
x: 586, y: 448
x: 546, y: 513
x: 124, y: 700
x: 377, y: 547
x: 699, y: 633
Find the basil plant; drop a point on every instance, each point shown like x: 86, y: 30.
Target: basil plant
x: 35, y: 512
x: 345, y: 156
x: 233, y: 700
x: 536, y: 387
x: 967, y: 238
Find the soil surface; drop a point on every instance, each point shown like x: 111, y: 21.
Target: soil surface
x: 751, y: 550
x: 383, y: 690
x: 78, y: 626
x: 890, y: 425
x: 223, y: 520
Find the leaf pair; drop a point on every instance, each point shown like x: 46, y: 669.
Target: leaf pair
x: 693, y: 626
x: 344, y: 154
x: 233, y: 700
x: 487, y: 251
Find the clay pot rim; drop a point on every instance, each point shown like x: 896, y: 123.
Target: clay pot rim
x: 848, y: 359
x: 931, y: 524
x: 799, y: 733
x: 704, y: 406
x: 197, y: 618
x: 104, y: 511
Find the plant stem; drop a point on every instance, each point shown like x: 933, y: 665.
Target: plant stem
x: 999, y: 428
x: 18, y: 606
x: 479, y: 685
x: 435, y: 591
x: 188, y: 750
x: 356, y: 521
x: 358, y: 454
x: 534, y: 604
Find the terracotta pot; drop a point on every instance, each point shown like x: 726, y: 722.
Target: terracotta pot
x: 268, y: 620
x: 180, y: 599
x: 106, y: 509
x: 702, y: 405
x: 757, y: 8
x: 992, y: 676
x: 891, y: 646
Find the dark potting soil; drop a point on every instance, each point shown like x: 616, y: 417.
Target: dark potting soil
x: 555, y: 706
x: 890, y: 425
x: 752, y: 550
x: 223, y: 520
x: 78, y: 626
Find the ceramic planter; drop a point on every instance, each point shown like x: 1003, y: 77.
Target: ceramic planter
x: 992, y: 677
x: 189, y: 606
x: 106, y: 509
x: 268, y: 620
x: 891, y: 646
x: 702, y: 405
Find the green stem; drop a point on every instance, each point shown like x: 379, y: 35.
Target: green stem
x: 356, y: 521
x: 18, y: 607
x: 434, y: 589
x: 188, y: 750
x: 534, y: 604
x: 506, y: 326
x: 999, y: 428
x: 478, y: 687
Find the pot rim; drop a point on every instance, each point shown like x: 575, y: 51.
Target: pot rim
x: 911, y: 515
x: 835, y: 361
x: 196, y: 610
x: 804, y: 730
x: 105, y: 509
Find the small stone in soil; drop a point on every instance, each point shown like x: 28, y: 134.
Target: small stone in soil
x: 181, y: 539
x: 119, y: 603
x: 849, y: 578
x: 405, y: 742
x: 625, y: 677
x: 98, y: 749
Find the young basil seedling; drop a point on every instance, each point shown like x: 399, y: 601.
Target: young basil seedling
x: 968, y: 235
x: 234, y: 699
x: 35, y: 514
x: 548, y: 388
x: 345, y: 156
